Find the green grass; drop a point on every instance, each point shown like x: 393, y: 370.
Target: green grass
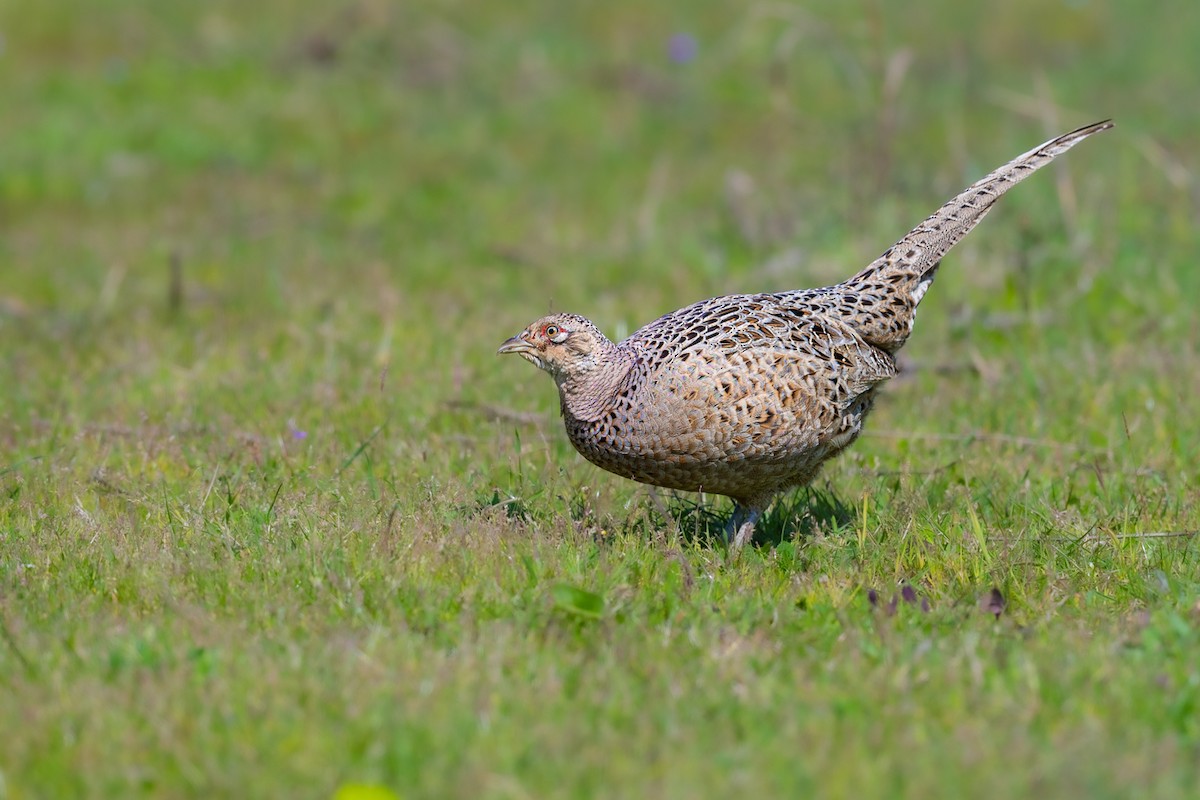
x: 290, y: 526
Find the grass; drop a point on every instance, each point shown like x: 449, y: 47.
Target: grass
x: 274, y: 520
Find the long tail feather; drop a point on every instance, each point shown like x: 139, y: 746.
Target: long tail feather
x: 907, y: 268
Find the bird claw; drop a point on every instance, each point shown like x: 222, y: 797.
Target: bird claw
x: 739, y: 531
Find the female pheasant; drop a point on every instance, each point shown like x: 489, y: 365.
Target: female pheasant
x: 748, y: 395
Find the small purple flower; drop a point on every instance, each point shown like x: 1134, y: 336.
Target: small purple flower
x: 682, y: 48
x: 296, y: 432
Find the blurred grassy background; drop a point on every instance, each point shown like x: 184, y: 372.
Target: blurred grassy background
x: 260, y: 467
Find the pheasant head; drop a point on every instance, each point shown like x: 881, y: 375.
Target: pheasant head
x: 567, y: 346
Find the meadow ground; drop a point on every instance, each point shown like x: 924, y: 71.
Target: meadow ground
x: 275, y: 521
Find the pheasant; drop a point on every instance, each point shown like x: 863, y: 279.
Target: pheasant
x: 747, y: 395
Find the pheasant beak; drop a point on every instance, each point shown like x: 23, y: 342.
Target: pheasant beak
x: 515, y: 345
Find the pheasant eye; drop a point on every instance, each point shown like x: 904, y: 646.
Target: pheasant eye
x: 551, y: 331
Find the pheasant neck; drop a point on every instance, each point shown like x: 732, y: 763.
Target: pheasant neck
x: 587, y: 393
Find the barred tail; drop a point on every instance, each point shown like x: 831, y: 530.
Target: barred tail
x: 906, y: 269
